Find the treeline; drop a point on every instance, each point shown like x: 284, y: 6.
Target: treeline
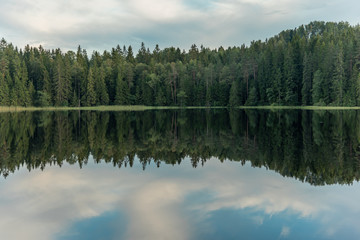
x: 316, y: 147
x: 315, y: 64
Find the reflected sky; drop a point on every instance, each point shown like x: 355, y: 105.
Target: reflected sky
x: 220, y: 200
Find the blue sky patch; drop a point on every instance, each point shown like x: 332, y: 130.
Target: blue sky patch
x: 110, y: 225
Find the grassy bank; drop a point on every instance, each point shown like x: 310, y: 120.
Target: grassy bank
x: 144, y: 108
x: 299, y: 107
x: 97, y: 108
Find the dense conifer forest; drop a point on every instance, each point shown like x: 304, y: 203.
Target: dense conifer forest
x: 314, y: 64
x: 318, y: 147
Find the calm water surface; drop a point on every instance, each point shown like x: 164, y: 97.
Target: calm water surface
x: 191, y: 174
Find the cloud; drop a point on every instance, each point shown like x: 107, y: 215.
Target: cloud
x: 45, y: 202
x: 154, y: 207
x: 155, y: 201
x: 159, y: 11
x: 103, y: 24
x: 285, y: 231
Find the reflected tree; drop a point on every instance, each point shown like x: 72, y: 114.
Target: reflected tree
x: 318, y: 147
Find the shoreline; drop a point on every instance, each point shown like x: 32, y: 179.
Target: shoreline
x: 144, y: 108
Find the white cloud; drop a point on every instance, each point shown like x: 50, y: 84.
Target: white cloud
x: 154, y: 207
x: 102, y: 24
x: 155, y: 201
x: 160, y: 10
x: 285, y: 231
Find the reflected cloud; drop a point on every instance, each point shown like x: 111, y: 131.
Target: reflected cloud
x: 285, y: 231
x: 155, y: 208
x: 155, y: 201
x: 258, y: 220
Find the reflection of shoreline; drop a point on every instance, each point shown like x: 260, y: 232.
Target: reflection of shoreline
x: 315, y: 147
x: 159, y: 202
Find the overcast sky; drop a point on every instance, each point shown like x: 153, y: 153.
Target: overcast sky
x: 102, y: 24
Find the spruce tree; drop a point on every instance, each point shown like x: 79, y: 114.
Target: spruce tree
x: 121, y: 91
x: 90, y: 93
x: 4, y: 91
x: 306, y: 82
x: 102, y: 96
x: 234, y: 95
x: 317, y: 91
x: 339, y: 78
x: 26, y: 98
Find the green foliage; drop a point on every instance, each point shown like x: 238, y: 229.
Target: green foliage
x: 319, y: 147
x: 91, y: 94
x: 102, y: 96
x: 42, y: 99
x: 121, y: 93
x: 160, y: 99
x: 4, y: 92
x: 234, y: 99
x: 307, y: 80
x: 279, y: 71
x: 61, y: 80
x: 339, y: 79
x: 253, y: 97
x: 182, y: 97
x: 317, y: 92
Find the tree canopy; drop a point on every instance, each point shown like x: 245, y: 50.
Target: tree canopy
x: 318, y: 147
x: 314, y: 64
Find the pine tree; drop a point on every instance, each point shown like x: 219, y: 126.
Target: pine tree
x: 31, y: 90
x: 90, y: 93
x: 317, y: 91
x: 291, y: 94
x: 130, y: 55
x: 83, y: 64
x: 121, y: 91
x: 234, y: 95
x: 339, y: 78
x: 74, y: 102
x: 5, y: 81
x: 352, y: 93
x: 26, y: 98
x: 306, y: 82
x: 16, y: 88
x: 142, y: 56
x: 47, y: 84
x: 4, y: 91
x: 253, y: 97
x: 160, y: 99
x: 102, y: 95
x: 61, y: 80
x: 182, y: 97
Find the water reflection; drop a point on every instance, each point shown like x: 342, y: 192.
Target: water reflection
x: 220, y: 200
x: 226, y: 201
x: 318, y: 147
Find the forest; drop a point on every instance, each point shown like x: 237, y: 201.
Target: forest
x: 314, y: 64
x: 318, y: 147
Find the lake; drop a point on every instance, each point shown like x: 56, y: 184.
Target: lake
x: 180, y: 174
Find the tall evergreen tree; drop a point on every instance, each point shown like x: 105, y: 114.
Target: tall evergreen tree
x: 90, y: 93
x: 61, y: 80
x: 291, y: 95
x: 121, y: 97
x: 339, y: 78
x: 317, y: 91
x: 307, y: 80
x: 234, y: 94
x: 100, y: 88
x: 278, y: 71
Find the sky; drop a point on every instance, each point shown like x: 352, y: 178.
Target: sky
x: 172, y: 202
x: 101, y: 25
